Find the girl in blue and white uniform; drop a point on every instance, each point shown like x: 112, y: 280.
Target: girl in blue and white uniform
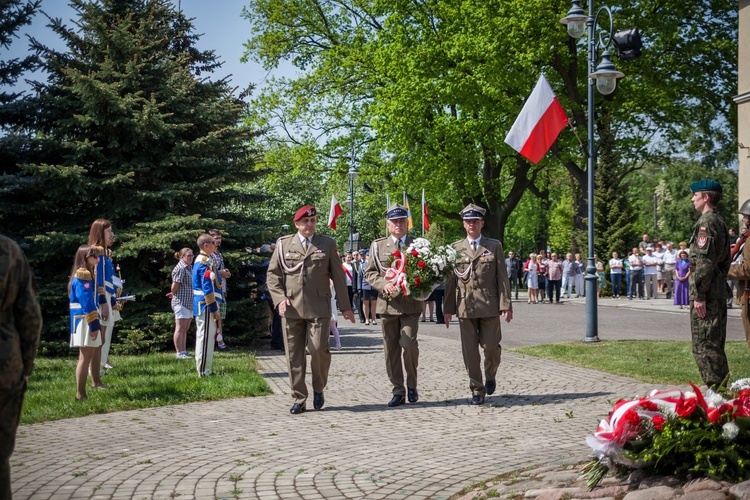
x: 85, y: 328
x: 102, y: 237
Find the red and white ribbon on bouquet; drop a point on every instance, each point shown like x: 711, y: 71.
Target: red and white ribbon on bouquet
x: 396, y: 275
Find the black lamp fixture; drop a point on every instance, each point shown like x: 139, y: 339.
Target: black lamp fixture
x: 628, y: 43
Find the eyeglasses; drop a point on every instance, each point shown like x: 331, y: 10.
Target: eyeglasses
x: 188, y: 255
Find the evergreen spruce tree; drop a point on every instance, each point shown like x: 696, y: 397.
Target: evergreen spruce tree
x: 131, y: 129
x: 13, y: 142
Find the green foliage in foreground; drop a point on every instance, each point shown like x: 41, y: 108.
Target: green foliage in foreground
x: 659, y: 362
x: 138, y: 382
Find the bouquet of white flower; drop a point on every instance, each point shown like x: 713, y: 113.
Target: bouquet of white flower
x: 420, y: 268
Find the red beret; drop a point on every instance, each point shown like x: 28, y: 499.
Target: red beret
x: 306, y: 211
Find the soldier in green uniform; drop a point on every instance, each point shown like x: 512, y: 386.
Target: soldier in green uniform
x: 709, y: 265
x: 478, y: 292
x: 299, y: 276
x: 20, y: 326
x: 399, y: 313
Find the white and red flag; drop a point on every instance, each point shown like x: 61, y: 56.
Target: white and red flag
x: 540, y: 122
x: 336, y: 210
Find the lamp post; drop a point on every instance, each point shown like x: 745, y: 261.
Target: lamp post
x: 352, y: 175
x: 604, y: 76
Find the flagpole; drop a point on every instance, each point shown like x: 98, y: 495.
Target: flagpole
x: 422, y: 212
x: 387, y: 206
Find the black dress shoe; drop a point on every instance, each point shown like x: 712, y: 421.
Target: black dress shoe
x: 297, y: 408
x: 413, y: 395
x: 477, y: 399
x: 396, y: 400
x: 318, y: 400
x: 490, y: 385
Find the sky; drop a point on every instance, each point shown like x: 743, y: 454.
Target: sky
x: 220, y: 22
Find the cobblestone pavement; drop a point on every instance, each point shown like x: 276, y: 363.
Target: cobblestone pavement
x: 355, y: 447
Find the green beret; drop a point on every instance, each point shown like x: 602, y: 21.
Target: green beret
x: 706, y: 185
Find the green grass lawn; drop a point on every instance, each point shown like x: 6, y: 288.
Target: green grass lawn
x: 666, y: 362
x: 138, y: 382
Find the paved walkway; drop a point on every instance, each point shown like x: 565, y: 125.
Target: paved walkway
x: 355, y: 447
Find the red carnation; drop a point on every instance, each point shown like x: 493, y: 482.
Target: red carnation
x: 649, y: 405
x: 417, y: 281
x: 742, y: 404
x: 421, y: 264
x: 658, y: 422
x: 397, y: 254
x: 686, y: 407
x: 414, y: 253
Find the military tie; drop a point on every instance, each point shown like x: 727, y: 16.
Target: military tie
x: 306, y: 244
x: 399, y: 244
x: 474, y: 246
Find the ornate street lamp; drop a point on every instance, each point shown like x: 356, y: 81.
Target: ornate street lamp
x: 605, y: 77
x: 352, y: 176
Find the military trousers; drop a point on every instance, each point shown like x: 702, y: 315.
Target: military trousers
x: 310, y: 335
x: 484, y: 333
x: 709, y: 335
x: 400, y: 336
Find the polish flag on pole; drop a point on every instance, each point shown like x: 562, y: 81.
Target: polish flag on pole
x: 335, y: 212
x: 540, y: 122
x: 425, y: 215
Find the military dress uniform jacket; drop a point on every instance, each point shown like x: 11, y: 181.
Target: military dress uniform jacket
x: 740, y: 269
x: 206, y: 287
x: 302, y: 277
x: 381, y: 251
x: 484, y: 289
x: 709, y: 253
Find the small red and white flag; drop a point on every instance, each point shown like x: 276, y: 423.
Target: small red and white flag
x: 334, y: 213
x: 540, y: 122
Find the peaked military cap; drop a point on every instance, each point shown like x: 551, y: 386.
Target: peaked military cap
x: 706, y: 185
x: 306, y: 211
x: 396, y: 211
x: 362, y: 251
x: 473, y: 212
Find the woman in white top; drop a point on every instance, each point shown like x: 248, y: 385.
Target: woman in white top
x: 532, y: 279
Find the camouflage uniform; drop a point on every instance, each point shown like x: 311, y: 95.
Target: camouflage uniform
x: 709, y: 264
x: 20, y: 326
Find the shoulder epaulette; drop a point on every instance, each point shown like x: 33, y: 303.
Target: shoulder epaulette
x: 84, y: 274
x: 287, y: 237
x: 383, y: 238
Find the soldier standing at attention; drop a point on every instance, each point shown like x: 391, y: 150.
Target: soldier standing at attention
x: 478, y: 291
x: 20, y: 326
x: 740, y: 269
x: 399, y: 313
x: 709, y: 264
x: 298, y: 281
